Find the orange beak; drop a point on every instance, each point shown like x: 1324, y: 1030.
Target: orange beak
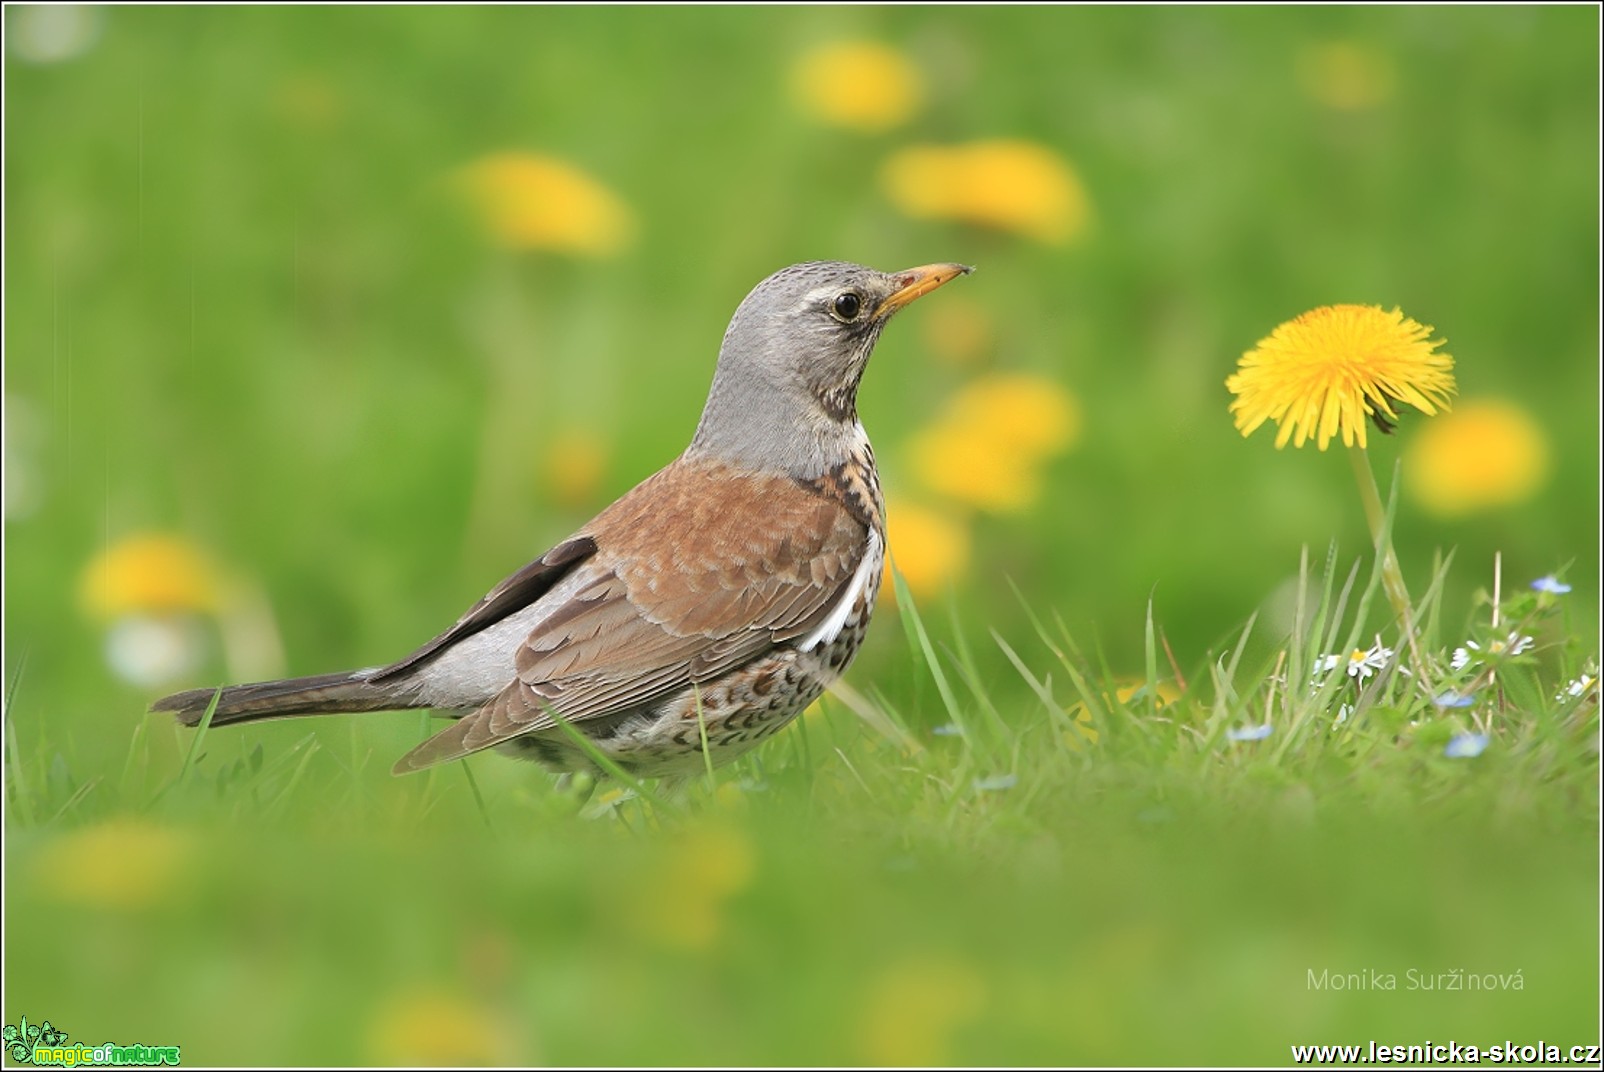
x: 919, y: 281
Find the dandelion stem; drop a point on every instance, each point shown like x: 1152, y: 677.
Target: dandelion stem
x: 1376, y: 515
x: 1391, y: 573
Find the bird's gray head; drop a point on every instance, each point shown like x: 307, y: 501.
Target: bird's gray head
x: 785, y: 393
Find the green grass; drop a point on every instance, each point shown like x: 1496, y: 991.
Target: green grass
x: 1164, y: 893
x: 243, y: 307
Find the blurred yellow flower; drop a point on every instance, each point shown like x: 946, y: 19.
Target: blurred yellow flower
x: 1017, y: 186
x: 860, y: 85
x: 914, y: 1008
x: 1486, y: 454
x: 529, y: 201
x: 987, y: 445
x: 695, y: 879
x: 929, y: 549
x: 1166, y: 690
x: 572, y: 466
x: 123, y: 863
x: 1346, y: 75
x: 731, y: 796
x: 1031, y: 414
x: 431, y: 1027
x: 1082, y: 731
x: 976, y: 469
x: 1332, y: 367
x: 149, y: 573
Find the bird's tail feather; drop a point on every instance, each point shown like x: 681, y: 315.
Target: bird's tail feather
x: 316, y: 695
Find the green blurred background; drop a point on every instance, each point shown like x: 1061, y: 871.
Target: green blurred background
x: 249, y: 306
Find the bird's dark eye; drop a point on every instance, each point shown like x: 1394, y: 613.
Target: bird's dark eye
x: 846, y: 305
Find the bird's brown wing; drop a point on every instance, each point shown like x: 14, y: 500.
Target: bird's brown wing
x: 696, y: 571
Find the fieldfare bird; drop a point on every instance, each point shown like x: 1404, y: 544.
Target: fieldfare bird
x: 719, y: 597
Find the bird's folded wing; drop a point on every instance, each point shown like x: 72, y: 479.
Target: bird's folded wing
x: 681, y: 590
x: 510, y: 596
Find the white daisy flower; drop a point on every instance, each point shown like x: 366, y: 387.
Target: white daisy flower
x: 1578, y: 688
x: 1499, y: 649
x: 1360, y: 663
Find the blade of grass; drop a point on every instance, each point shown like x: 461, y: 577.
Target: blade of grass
x: 604, y: 761
x: 914, y: 623
x: 1056, y: 713
x: 701, y: 732
x: 879, y: 719
x: 200, y: 736
x: 73, y: 801
x: 1150, y: 659
x: 478, y: 797
x: 963, y: 657
x: 21, y: 794
x: 307, y: 747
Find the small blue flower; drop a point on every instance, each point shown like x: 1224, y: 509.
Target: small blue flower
x: 1465, y: 746
x: 1550, y: 584
x: 995, y: 783
x: 1249, y: 733
x: 1454, y: 699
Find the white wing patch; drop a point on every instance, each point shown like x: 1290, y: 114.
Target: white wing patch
x: 831, y: 627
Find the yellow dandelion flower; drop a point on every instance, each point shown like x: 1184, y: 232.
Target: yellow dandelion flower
x: 572, y: 466
x: 914, y: 1008
x: 929, y: 548
x: 1331, y: 368
x: 696, y: 877
x: 122, y: 863
x: 529, y: 201
x: 1345, y: 75
x: 976, y: 469
x: 860, y: 85
x: 1486, y: 454
x: 150, y: 573
x: 1030, y: 414
x: 432, y: 1027
x: 1011, y: 185
x: 985, y: 448
x: 1083, y: 730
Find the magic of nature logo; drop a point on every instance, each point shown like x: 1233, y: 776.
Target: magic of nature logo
x: 42, y: 1044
